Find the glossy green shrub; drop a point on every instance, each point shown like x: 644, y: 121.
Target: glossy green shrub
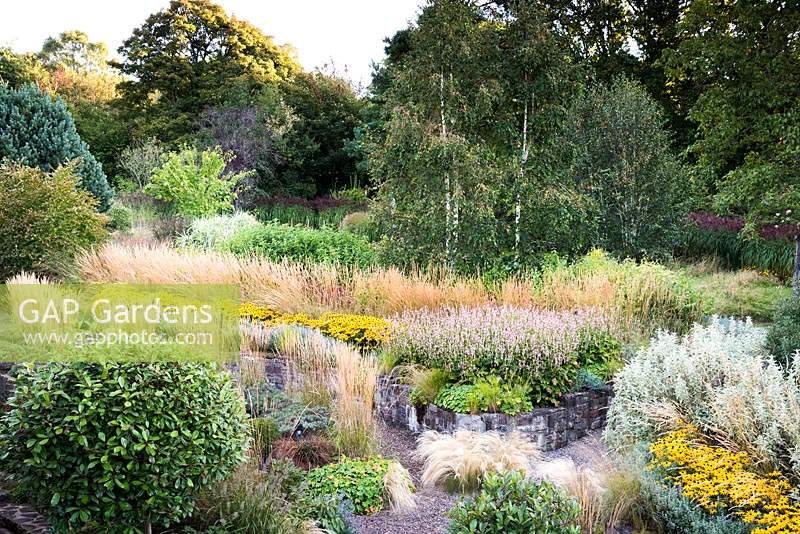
x: 783, y: 337
x: 359, y: 481
x: 118, y: 443
x: 45, y: 220
x: 508, y: 503
x: 297, y: 243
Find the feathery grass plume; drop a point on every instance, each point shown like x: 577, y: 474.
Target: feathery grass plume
x: 459, y: 461
x: 354, y: 383
x: 26, y: 278
x: 608, y: 490
x: 399, y: 488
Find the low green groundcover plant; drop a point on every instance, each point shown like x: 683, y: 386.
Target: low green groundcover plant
x: 122, y: 444
x: 299, y: 243
x: 487, y: 394
x: 359, y: 481
x: 509, y: 503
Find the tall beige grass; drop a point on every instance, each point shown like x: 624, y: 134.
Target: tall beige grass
x: 642, y: 296
x: 321, y: 371
x: 607, y: 490
x: 459, y: 461
x: 354, y: 426
x: 289, y: 287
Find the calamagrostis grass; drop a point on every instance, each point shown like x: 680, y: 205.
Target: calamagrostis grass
x: 289, y: 287
x: 462, y: 459
x: 322, y: 371
x: 354, y: 383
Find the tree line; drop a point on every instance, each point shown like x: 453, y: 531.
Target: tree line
x: 493, y: 132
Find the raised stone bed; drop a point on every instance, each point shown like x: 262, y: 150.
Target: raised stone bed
x: 550, y: 428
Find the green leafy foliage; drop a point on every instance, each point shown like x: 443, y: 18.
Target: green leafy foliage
x: 192, y: 181
x: 552, y: 382
x: 491, y: 394
x: 599, y: 348
x: 509, y: 503
x: 118, y: 443
x: 191, y: 54
x: 38, y: 131
x: 327, y: 110
x: 623, y: 152
x: 455, y: 398
x: 45, y: 219
x: 359, y: 481
x: 783, y: 337
x: 121, y: 217
x: 279, y: 241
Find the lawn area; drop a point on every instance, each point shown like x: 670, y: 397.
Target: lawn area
x: 745, y: 293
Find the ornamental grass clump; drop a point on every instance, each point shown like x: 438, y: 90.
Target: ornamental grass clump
x: 513, y: 343
x: 209, y: 233
x: 461, y: 460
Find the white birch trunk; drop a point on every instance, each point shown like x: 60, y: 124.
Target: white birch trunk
x: 447, y: 185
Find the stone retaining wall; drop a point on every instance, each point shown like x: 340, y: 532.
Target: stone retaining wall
x: 550, y: 428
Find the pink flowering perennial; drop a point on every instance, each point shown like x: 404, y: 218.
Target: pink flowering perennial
x: 505, y: 340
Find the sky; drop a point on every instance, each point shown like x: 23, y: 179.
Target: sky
x: 347, y: 33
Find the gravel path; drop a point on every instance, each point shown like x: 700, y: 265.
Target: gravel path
x: 430, y: 517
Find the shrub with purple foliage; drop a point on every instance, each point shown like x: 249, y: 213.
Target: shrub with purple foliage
x: 717, y: 223
x: 513, y: 343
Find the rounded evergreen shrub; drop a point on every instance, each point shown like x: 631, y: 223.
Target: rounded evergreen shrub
x: 510, y: 503
x: 121, y: 217
x: 783, y: 337
x: 121, y: 444
x: 38, y: 131
x: 44, y: 219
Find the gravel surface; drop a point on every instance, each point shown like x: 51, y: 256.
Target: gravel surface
x: 430, y: 517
